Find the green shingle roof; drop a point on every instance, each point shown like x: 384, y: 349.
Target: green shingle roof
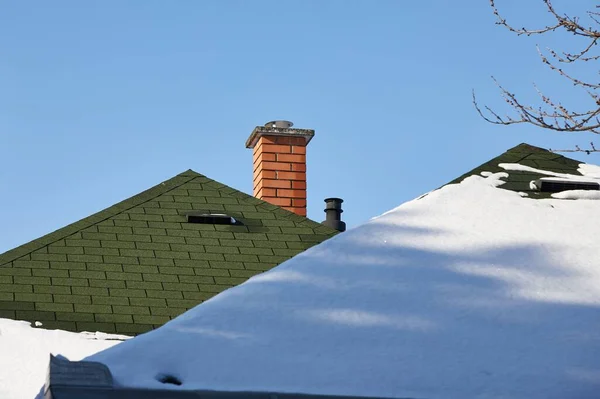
x: 136, y: 265
x: 527, y: 155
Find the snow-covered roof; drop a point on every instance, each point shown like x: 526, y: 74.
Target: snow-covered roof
x: 471, y: 291
x: 25, y: 351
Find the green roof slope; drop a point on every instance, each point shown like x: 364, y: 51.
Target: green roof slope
x: 136, y: 265
x: 527, y: 155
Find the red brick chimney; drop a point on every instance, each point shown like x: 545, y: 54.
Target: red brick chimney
x: 280, y: 164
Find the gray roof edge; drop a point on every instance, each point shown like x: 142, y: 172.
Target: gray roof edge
x: 93, y: 380
x: 97, y: 217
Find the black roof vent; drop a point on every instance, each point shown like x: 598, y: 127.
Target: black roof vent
x: 556, y: 185
x: 333, y: 214
x: 210, y: 218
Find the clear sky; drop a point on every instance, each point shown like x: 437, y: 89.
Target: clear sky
x: 100, y: 100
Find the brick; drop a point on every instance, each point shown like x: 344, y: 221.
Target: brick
x: 278, y: 201
x: 110, y: 300
x: 90, y: 291
x: 265, y: 192
x: 129, y: 292
x: 15, y: 288
x: 298, y: 203
x: 97, y: 275
x: 34, y: 315
x: 54, y: 307
x: 83, y: 299
x: 273, y: 148
x: 269, y: 183
x: 120, y: 318
x: 293, y: 158
x: 298, y: 167
x: 52, y: 289
x: 92, y: 308
x: 95, y: 326
x: 29, y: 297
x: 284, y: 193
x: 291, y: 175
x: 164, y: 294
x: 70, y: 316
x: 299, y: 149
x: 299, y: 185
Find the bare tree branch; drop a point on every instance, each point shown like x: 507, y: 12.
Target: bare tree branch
x: 551, y: 114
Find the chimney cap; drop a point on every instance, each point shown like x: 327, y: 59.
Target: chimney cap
x: 281, y: 124
x: 278, y: 128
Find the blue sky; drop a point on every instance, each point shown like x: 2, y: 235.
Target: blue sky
x: 100, y: 100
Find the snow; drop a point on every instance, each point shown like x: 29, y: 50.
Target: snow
x: 468, y: 292
x: 578, y: 194
x: 25, y: 352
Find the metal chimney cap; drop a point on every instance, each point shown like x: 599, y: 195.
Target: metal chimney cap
x: 281, y: 124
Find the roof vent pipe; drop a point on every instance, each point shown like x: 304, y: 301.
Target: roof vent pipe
x: 333, y: 214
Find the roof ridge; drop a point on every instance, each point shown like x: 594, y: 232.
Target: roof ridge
x: 99, y: 216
